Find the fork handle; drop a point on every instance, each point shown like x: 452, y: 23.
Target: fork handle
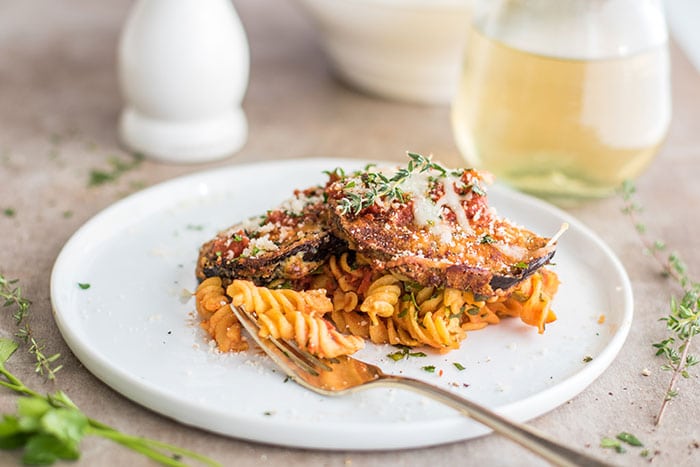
x: 526, y: 436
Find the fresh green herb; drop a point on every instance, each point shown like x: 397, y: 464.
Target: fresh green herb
x: 405, y: 352
x: 83, y: 285
x: 477, y: 189
x: 376, y: 185
x: 629, y: 438
x: 459, y: 313
x: 612, y: 443
x: 67, y: 214
x: 459, y: 366
x: 473, y: 311
x: 521, y: 265
x: 118, y: 168
x: 9, y: 212
x: 410, y: 296
x: 11, y: 293
x: 428, y: 368
x: 644, y: 453
x: 50, y: 427
x: 486, y: 239
x: 587, y: 359
x: 254, y: 251
x: 683, y: 320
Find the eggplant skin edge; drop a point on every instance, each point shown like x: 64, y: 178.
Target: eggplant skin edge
x: 506, y: 282
x: 294, y: 262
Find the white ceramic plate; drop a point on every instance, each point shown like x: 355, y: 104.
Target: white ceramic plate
x: 134, y: 331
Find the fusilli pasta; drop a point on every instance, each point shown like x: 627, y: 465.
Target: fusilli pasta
x: 289, y: 314
x: 217, y: 319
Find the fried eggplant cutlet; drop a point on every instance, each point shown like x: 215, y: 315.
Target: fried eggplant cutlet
x: 286, y: 244
x: 433, y: 226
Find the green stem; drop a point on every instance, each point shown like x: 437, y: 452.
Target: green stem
x: 674, y: 379
x: 148, y: 447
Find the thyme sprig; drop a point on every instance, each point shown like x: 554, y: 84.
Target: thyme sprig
x: 11, y: 293
x: 376, y: 185
x: 683, y: 320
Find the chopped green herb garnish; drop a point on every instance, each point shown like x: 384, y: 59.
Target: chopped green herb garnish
x: 236, y: 238
x: 405, y: 352
x: 83, y: 285
x: 521, y: 265
x: 476, y: 188
x: 459, y: 366
x: 587, y: 359
x: 118, y: 168
x: 376, y: 185
x: 9, y: 212
x: 486, y: 239
x: 612, y: 443
x: 429, y: 368
x: 629, y: 438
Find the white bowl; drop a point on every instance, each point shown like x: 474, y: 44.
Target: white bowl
x: 409, y: 50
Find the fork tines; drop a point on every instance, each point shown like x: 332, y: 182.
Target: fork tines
x: 308, y: 362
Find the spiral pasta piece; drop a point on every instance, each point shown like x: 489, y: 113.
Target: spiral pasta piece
x: 217, y: 319
x: 289, y: 314
x: 347, y: 277
x: 382, y: 298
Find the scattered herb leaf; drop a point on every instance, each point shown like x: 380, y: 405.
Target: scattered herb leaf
x: 405, y: 352
x: 612, y: 443
x: 629, y: 438
x: 118, y: 168
x: 83, y: 285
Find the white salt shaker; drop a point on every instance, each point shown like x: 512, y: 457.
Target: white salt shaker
x: 183, y: 71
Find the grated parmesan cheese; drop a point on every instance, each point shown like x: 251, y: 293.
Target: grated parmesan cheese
x: 257, y: 245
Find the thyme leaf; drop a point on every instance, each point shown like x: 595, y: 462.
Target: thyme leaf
x: 375, y: 185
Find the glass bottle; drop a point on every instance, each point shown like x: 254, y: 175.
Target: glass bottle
x: 564, y: 98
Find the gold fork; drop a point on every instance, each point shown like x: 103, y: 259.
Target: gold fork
x: 340, y: 375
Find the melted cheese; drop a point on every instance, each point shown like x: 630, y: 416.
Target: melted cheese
x: 427, y: 213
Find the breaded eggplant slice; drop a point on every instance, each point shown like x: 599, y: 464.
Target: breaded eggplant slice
x: 285, y: 244
x: 433, y: 226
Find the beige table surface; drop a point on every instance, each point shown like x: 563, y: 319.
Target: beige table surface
x: 59, y: 104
